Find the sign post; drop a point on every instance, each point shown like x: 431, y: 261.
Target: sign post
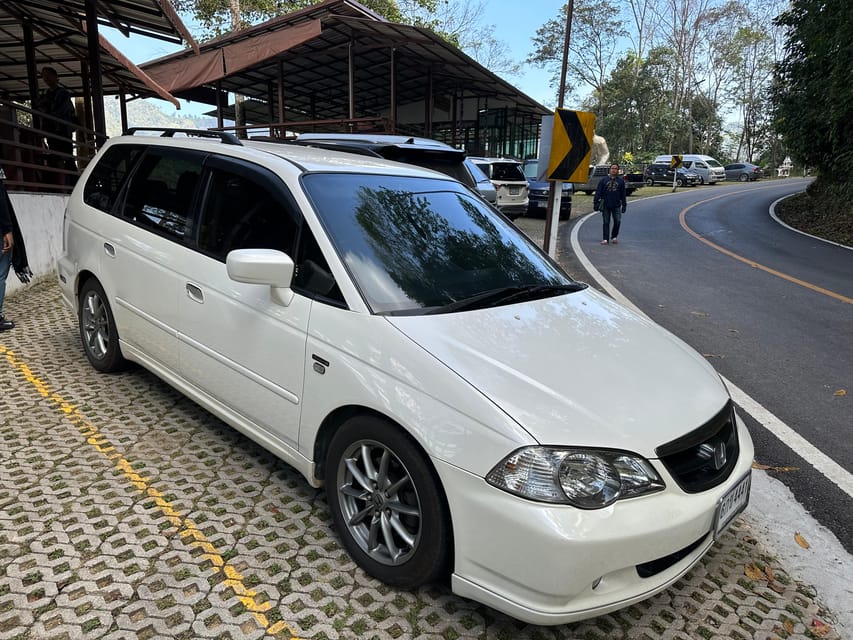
x: 568, y: 161
x: 675, y: 162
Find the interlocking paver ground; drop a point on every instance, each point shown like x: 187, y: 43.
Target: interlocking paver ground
x: 127, y: 511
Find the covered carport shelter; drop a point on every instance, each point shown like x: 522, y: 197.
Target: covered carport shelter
x: 337, y: 66
x: 64, y: 34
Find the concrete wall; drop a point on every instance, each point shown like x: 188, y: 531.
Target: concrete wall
x: 40, y: 216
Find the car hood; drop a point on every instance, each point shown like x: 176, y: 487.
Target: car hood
x: 577, y: 369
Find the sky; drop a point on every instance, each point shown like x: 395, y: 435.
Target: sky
x: 513, y: 23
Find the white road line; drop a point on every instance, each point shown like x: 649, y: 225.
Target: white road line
x: 822, y: 463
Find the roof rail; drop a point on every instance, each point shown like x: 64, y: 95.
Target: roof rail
x: 169, y: 132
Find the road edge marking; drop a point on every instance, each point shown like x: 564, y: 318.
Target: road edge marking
x: 832, y: 472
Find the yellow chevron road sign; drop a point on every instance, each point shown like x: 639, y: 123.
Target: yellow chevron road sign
x: 571, y: 145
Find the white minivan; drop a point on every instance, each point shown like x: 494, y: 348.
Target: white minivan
x: 706, y: 167
x: 474, y: 413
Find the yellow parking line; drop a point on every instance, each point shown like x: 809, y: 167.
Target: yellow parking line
x: 187, y: 530
x: 682, y: 219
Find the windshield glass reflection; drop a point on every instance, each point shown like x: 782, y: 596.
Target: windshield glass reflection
x: 415, y: 244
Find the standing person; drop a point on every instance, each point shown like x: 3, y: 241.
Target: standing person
x: 6, y: 255
x: 610, y: 196
x: 10, y: 237
x: 56, y: 101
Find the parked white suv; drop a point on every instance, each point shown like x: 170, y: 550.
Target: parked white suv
x: 470, y: 408
x: 508, y: 177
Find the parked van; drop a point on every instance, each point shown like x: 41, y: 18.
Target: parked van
x: 708, y: 169
x: 378, y: 326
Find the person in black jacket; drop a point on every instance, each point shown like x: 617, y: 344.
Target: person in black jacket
x: 610, y: 198
x: 10, y: 237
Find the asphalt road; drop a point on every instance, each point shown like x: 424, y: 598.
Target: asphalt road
x: 771, y: 309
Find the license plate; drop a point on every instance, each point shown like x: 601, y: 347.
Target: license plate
x: 732, y: 504
x: 514, y: 191
x: 541, y: 204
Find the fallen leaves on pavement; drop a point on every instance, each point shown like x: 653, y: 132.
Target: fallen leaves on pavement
x: 764, y: 467
x: 801, y: 540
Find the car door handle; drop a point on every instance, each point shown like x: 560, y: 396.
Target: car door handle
x: 195, y: 293
x: 110, y: 250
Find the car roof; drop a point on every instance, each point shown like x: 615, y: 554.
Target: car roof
x: 377, y: 139
x: 303, y: 157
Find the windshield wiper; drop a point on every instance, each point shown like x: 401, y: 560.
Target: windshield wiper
x: 506, y: 295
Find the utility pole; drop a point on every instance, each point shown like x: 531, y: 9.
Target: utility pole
x: 557, y: 186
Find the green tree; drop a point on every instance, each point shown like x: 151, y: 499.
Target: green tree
x: 812, y: 94
x: 636, y: 113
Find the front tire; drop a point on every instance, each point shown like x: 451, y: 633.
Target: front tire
x: 650, y: 182
x: 387, y: 504
x: 98, y: 331
x: 743, y: 177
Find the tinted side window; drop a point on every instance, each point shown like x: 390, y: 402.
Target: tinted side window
x: 109, y: 175
x: 161, y: 191
x: 241, y: 212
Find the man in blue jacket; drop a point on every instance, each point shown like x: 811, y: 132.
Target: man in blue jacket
x: 610, y: 198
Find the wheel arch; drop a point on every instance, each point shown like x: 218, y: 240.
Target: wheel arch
x: 82, y: 278
x: 339, y: 416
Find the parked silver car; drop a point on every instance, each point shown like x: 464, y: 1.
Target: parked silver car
x: 743, y: 171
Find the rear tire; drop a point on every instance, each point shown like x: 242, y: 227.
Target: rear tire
x: 387, y: 503
x: 98, y: 331
x: 650, y: 182
x: 743, y: 177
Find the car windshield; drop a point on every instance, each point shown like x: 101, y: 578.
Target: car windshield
x: 713, y: 163
x: 530, y: 169
x: 420, y: 245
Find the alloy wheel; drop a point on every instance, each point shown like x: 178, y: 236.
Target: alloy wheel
x: 379, y: 502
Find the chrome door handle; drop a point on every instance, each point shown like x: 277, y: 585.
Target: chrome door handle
x: 110, y: 250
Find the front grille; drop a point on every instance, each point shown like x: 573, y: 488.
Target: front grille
x: 705, y: 457
x: 649, y: 569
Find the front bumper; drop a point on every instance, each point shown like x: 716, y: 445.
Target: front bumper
x: 553, y: 564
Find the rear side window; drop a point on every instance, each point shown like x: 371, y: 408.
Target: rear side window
x: 161, y: 191
x: 105, y: 183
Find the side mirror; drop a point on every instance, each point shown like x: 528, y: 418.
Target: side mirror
x: 263, y: 266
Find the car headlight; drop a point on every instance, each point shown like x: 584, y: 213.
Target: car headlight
x: 584, y: 478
